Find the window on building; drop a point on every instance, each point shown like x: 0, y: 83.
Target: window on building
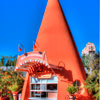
x: 91, y: 48
x: 44, y: 88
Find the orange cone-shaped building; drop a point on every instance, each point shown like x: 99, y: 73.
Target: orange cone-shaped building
x: 64, y: 66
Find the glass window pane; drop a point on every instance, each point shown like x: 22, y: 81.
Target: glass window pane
x: 44, y: 95
x: 35, y: 80
x: 32, y: 86
x: 44, y: 81
x: 51, y: 86
x: 43, y: 87
x: 54, y: 79
x: 52, y: 95
x: 32, y: 80
x: 37, y: 86
x: 37, y: 94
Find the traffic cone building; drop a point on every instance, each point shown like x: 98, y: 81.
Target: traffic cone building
x: 54, y: 37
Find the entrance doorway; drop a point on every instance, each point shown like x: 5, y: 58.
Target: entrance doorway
x: 43, y: 89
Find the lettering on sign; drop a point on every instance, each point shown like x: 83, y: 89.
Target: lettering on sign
x: 45, y: 76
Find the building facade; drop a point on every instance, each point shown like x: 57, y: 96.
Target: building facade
x: 55, y: 64
x: 90, y: 48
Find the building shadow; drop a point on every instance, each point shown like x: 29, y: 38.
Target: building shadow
x: 61, y: 71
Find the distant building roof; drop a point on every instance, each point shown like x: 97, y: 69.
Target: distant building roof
x: 90, y: 48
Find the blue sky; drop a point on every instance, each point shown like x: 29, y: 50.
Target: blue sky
x: 20, y: 21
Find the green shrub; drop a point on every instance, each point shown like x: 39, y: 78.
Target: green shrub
x: 10, y: 81
x: 72, y: 89
x: 14, y: 87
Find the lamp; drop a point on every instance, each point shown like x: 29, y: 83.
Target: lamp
x: 19, y: 49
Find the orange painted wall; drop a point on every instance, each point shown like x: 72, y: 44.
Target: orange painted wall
x: 55, y: 38
x: 26, y: 88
